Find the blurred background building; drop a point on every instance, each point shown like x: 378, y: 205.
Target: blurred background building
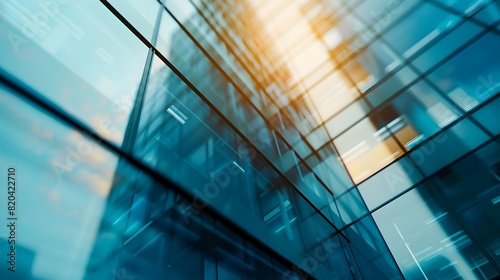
x: 252, y: 139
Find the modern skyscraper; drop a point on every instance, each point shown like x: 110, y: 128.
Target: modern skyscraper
x: 250, y: 139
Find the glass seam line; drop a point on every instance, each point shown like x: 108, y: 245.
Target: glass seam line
x: 459, y: 220
x: 35, y: 99
x: 197, y: 92
x: 135, y: 116
x: 260, y: 87
x: 425, y: 179
x: 467, y: 115
x: 408, y: 86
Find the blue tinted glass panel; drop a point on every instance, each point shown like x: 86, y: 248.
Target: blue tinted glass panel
x: 141, y: 13
x: 332, y: 171
x: 346, y: 118
x: 431, y: 22
x: 448, y: 146
x: 351, y: 206
x: 446, y: 46
x: 370, y: 251
x: 366, y: 148
x: 465, y: 6
x: 489, y: 15
x: 417, y: 115
x: 488, y: 116
x: 372, y: 65
x: 62, y: 176
x: 83, y: 59
x: 391, y: 86
x: 473, y: 76
x: 428, y: 241
x: 390, y: 182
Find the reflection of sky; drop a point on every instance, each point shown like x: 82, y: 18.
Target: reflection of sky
x: 88, y: 63
x: 58, y: 218
x: 423, y: 236
x: 94, y: 63
x: 285, y: 40
x: 422, y: 27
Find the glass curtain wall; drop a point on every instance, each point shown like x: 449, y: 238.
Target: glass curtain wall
x: 252, y: 139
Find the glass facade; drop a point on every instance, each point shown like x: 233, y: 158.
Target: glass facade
x: 250, y: 139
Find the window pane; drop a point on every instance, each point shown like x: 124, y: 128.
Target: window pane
x: 490, y: 14
x: 488, y: 116
x: 465, y: 6
x: 332, y: 94
x: 366, y: 148
x: 417, y: 115
x: 473, y: 76
x: 64, y: 177
x: 391, y: 86
x: 181, y: 137
x: 349, y: 25
x: 370, y: 251
x: 372, y: 65
x: 446, y: 45
x: 351, y: 206
x: 331, y: 171
x: 448, y: 146
x: 347, y: 117
x: 389, y: 182
x: 318, y: 137
x: 381, y: 13
x: 426, y: 239
x: 84, y: 59
x: 141, y: 13
x: 431, y: 22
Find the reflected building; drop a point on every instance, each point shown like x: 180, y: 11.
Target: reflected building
x: 252, y: 139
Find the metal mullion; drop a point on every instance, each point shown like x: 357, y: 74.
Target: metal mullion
x: 36, y: 100
x: 196, y: 91
x: 240, y: 91
x: 420, y: 78
x: 425, y: 179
